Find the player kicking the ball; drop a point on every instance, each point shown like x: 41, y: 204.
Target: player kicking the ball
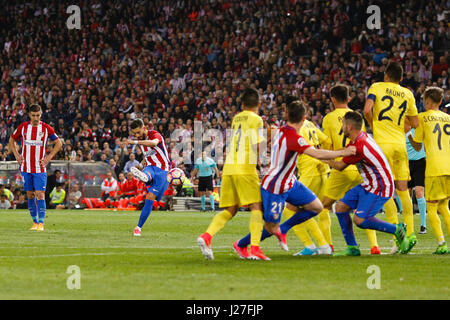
x: 279, y: 185
x: 154, y: 175
x: 370, y: 196
x: 33, y: 161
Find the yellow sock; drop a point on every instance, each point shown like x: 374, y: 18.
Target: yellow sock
x: 325, y: 224
x: 218, y: 222
x: 302, y: 234
x: 434, y: 221
x: 390, y: 209
x: 445, y: 213
x: 372, y: 236
x: 408, y: 213
x: 300, y: 229
x: 256, y: 227
x: 313, y: 227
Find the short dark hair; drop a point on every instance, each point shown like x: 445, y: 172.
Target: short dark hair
x: 296, y: 110
x: 435, y: 94
x: 355, y: 118
x: 340, y: 92
x: 394, y: 70
x: 291, y: 98
x: 137, y: 123
x: 250, y: 98
x: 34, y: 108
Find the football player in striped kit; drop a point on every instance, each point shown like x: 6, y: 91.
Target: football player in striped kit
x: 280, y: 185
x: 33, y: 161
x: 154, y: 175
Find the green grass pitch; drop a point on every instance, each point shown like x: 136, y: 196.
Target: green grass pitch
x: 165, y: 262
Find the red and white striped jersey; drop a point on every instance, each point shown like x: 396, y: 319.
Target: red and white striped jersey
x: 156, y: 156
x: 372, y: 165
x: 34, y: 144
x: 287, y: 145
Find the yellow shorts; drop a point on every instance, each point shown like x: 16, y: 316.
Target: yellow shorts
x: 398, y: 160
x: 437, y: 188
x: 339, y: 182
x: 239, y: 190
x: 315, y: 183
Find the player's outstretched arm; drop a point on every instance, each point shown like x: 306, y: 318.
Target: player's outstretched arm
x: 338, y: 165
x: 147, y: 143
x: 328, y: 155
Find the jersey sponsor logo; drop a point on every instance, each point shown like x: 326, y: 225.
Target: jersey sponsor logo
x: 150, y: 153
x: 33, y: 143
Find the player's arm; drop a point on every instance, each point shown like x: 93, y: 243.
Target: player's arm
x: 413, y: 121
x: 368, y: 110
x: 338, y: 165
x: 13, y: 148
x: 52, y: 154
x: 328, y: 154
x: 417, y: 139
x: 147, y: 143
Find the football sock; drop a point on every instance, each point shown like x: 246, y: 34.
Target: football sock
x: 218, y: 222
x: 297, y: 218
x: 325, y: 224
x: 408, y: 214
x: 399, y: 203
x: 300, y: 230
x: 313, y: 228
x: 372, y: 236
x: 146, y: 210
x: 422, y: 204
x: 203, y: 198
x: 390, y: 209
x: 33, y: 210
x: 347, y: 228
x: 256, y: 227
x: 302, y: 234
x: 434, y: 220
x: 377, y: 224
x: 41, y: 206
x: 445, y: 213
x: 211, y: 198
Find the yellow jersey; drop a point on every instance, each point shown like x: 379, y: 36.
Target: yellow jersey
x: 309, y: 166
x: 242, y: 155
x: 434, y: 132
x: 392, y: 103
x: 332, y: 128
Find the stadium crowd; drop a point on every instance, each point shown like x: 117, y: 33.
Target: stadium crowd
x: 175, y: 62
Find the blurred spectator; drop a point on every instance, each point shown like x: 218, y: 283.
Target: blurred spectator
x: 57, y: 197
x: 74, y: 197
x: 130, y: 163
x: 4, y: 202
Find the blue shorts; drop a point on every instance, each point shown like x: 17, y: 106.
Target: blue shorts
x: 299, y: 195
x: 366, y: 203
x: 273, y: 205
x: 34, y: 181
x: 158, y: 183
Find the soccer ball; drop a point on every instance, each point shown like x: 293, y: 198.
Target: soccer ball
x: 176, y: 177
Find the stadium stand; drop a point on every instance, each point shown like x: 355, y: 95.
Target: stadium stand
x: 175, y: 62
